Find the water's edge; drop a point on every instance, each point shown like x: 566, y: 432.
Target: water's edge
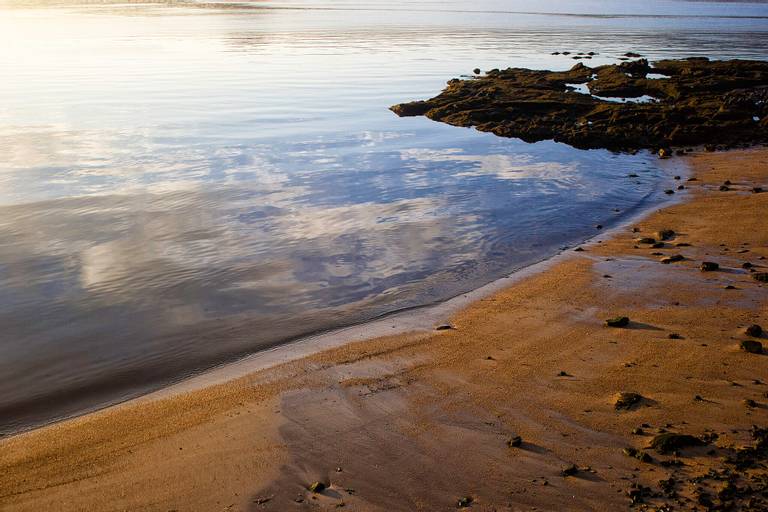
x: 422, y: 318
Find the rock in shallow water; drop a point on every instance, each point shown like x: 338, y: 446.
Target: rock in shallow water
x: 701, y: 102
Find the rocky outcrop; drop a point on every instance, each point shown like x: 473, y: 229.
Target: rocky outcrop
x: 700, y: 102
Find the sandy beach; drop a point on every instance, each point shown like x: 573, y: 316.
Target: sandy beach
x: 421, y: 420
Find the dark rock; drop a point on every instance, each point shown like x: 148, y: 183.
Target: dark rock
x: 702, y: 102
x: 757, y: 190
x: 515, y: 442
x: 751, y: 346
x: 646, y: 240
x: 747, y: 265
x: 669, y: 191
x: 658, y: 245
x: 724, y: 188
x: 672, y: 259
x: 477, y: 71
x: 599, y: 226
x: 627, y: 400
x: 464, y: 502
x: 579, y: 249
x: 709, y: 266
x: 637, y: 454
x: 571, y: 470
x: 317, y: 487
x: 760, y: 276
x: 638, y: 431
x: 675, y: 336
x: 665, y: 234
x: 748, y: 402
x: 619, y: 321
x: 755, y: 331
x: 444, y: 327
x: 670, y: 442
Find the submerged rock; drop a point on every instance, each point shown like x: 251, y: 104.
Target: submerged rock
x: 712, y: 103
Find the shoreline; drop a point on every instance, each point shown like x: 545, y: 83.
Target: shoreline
x: 421, y: 419
x: 420, y: 319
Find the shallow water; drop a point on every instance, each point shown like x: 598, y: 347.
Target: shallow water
x: 182, y: 185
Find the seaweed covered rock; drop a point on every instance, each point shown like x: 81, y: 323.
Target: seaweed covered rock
x: 698, y: 101
x: 317, y: 487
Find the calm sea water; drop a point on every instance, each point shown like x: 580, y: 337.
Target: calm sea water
x: 181, y: 185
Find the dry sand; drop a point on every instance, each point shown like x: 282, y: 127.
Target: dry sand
x: 417, y: 421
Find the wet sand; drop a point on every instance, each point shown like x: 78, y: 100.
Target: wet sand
x: 417, y: 421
